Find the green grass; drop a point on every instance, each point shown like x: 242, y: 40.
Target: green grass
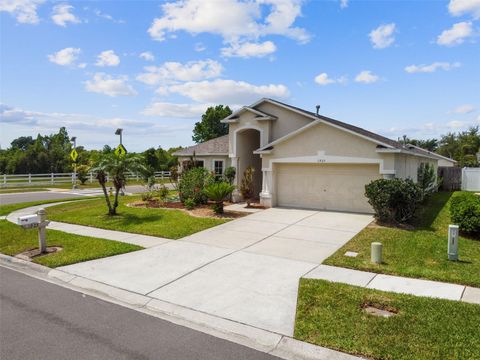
x: 166, y: 223
x: 331, y: 315
x: 76, y: 248
x: 7, y: 209
x: 419, y: 253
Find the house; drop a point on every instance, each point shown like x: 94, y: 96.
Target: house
x: 306, y: 160
x: 443, y: 161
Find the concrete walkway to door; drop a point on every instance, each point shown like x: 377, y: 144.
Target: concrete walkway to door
x: 246, y: 270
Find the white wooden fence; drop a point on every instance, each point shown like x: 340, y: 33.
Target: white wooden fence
x: 471, y: 179
x: 18, y: 180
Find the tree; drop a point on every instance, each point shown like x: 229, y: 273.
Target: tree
x: 117, y: 168
x: 210, y: 126
x: 218, y: 192
x: 22, y: 143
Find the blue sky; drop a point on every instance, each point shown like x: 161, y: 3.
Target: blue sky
x: 394, y: 67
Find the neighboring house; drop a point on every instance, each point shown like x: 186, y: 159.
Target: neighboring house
x: 443, y: 161
x: 306, y: 160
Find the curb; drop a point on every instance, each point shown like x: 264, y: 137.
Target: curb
x: 272, y: 343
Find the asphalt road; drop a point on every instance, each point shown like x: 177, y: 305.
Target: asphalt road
x: 40, y: 320
x: 52, y: 195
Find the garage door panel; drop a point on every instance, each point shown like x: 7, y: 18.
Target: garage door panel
x: 325, y: 186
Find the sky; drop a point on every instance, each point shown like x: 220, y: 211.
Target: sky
x: 152, y: 68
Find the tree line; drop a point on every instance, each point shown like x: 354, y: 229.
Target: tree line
x: 51, y: 154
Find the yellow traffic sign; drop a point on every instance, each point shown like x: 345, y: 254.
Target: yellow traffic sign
x: 120, y: 150
x: 74, y: 155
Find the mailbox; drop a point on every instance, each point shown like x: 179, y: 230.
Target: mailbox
x: 28, y: 221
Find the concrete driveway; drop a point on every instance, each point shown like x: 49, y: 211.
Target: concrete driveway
x: 246, y: 270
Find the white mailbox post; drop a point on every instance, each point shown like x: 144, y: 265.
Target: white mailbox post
x: 453, y: 242
x: 36, y: 221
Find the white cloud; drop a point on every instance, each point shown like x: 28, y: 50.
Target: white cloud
x: 107, y: 58
x: 249, y: 49
x: 366, y: 77
x: 456, y: 34
x: 432, y: 67
x: 24, y: 11
x: 175, y: 71
x: 461, y: 7
x: 234, y: 20
x: 65, y: 57
x: 107, y: 17
x: 464, y: 109
x: 147, y: 56
x: 343, y: 4
x: 108, y: 85
x: 323, y: 79
x: 62, y: 14
x: 199, y: 47
x: 175, y: 110
x: 383, y: 36
x: 226, y: 91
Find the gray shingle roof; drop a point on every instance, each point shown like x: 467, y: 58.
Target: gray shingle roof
x: 215, y: 146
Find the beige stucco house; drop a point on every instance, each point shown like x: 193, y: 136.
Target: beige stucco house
x: 306, y: 160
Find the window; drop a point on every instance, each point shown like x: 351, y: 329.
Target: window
x: 218, y: 167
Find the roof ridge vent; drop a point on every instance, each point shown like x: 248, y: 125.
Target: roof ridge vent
x: 318, y: 109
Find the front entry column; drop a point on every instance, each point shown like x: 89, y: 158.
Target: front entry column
x: 236, y: 196
x: 266, y: 195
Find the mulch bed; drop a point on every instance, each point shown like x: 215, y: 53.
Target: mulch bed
x: 203, y: 211
x: 33, y: 253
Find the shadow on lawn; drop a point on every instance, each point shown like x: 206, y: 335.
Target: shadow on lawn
x: 131, y: 219
x: 429, y: 211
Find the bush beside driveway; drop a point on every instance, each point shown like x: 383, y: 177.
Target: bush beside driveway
x: 420, y: 252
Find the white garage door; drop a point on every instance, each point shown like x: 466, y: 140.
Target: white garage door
x: 325, y: 186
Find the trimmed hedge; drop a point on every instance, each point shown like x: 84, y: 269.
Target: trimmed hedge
x: 393, y: 200
x: 465, y: 212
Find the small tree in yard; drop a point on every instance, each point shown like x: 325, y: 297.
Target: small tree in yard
x: 229, y: 174
x: 246, y: 186
x: 117, y: 168
x: 218, y: 192
x: 426, y: 179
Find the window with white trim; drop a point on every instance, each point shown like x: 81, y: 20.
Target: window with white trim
x: 218, y: 167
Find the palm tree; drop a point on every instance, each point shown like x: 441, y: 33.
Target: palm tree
x: 218, y: 192
x: 117, y: 168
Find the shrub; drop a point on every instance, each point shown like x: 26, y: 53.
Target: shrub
x: 189, y: 204
x: 427, y: 179
x: 246, y: 186
x: 147, y: 196
x: 192, y: 185
x: 393, y: 200
x: 163, y: 193
x: 218, y: 192
x: 82, y: 173
x: 229, y: 174
x: 465, y: 211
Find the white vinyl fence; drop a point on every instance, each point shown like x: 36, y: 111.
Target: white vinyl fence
x: 471, y: 179
x: 17, y: 180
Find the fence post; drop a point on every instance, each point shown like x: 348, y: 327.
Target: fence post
x: 52, y: 178
x: 29, y: 178
x: 91, y: 177
x: 5, y: 178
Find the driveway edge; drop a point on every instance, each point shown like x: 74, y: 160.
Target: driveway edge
x: 265, y: 341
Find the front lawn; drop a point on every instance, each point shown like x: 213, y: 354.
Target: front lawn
x: 76, y: 248
x: 8, y: 208
x: 419, y: 253
x: 166, y: 223
x: 331, y: 315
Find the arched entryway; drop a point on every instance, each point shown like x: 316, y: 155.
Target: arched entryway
x: 247, y: 141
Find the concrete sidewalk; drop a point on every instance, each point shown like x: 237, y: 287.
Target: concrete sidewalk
x: 130, y: 238
x: 397, y: 284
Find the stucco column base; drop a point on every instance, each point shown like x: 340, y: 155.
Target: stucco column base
x: 266, y: 199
